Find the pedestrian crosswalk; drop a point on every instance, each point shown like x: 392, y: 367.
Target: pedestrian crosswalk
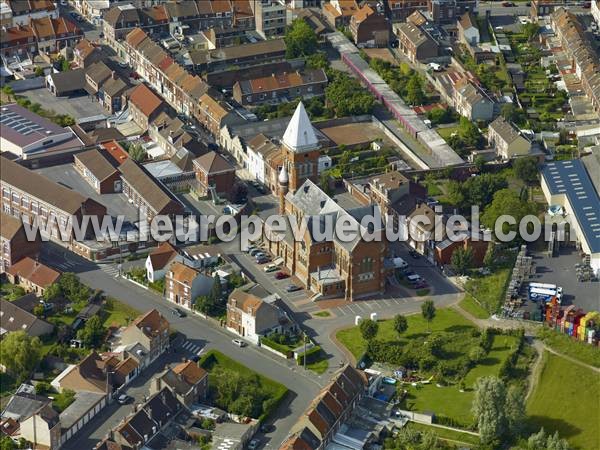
x: 371, y: 306
x: 110, y: 269
x: 192, y: 348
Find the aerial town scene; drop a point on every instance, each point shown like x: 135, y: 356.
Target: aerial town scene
x: 299, y: 224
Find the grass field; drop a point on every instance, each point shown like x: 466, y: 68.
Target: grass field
x: 451, y: 436
x: 566, y: 399
x: 489, y: 289
x: 470, y: 305
x: 448, y: 401
x: 213, y: 359
x: 445, y: 320
x: 117, y: 314
x: 568, y: 346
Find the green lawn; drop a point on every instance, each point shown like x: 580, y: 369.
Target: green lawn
x: 318, y: 367
x: 489, y: 289
x: 470, y: 305
x: 447, y: 401
x: 568, y: 346
x: 446, y: 435
x: 213, y: 359
x: 322, y: 314
x: 446, y: 132
x: 117, y: 314
x: 566, y: 399
x: 445, y: 320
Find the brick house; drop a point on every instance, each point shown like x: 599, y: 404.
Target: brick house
x: 338, y: 13
x: 415, y: 43
x: 184, y: 283
x: 31, y: 275
x: 151, y: 331
x: 145, y: 105
x: 212, y: 170
x: 445, y: 249
x: 98, y: 171
x: 147, y: 193
x: 280, y: 87
x: 187, y: 381
x: 14, y: 244
x: 251, y: 317
x: 401, y: 9
x: 369, y: 28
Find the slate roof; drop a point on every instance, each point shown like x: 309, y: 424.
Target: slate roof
x: 14, y: 318
x: 505, y: 130
x: 153, y: 192
x: 40, y: 187
x: 9, y: 225
x: 213, y: 163
x: 96, y: 163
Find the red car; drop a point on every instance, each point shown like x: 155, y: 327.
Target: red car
x: 281, y: 276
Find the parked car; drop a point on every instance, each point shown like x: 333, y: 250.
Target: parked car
x: 123, y: 399
x: 177, y: 312
x: 508, y: 4
x: 293, y: 288
x: 414, y: 254
x: 262, y: 259
x: 420, y: 285
x: 238, y: 342
x: 255, y: 251
x: 270, y: 268
x: 281, y: 275
x: 194, y: 358
x: 253, y: 444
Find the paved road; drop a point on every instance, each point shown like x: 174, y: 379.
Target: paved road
x: 303, y: 386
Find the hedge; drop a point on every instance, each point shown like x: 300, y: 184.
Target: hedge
x: 282, y: 348
x: 312, y: 355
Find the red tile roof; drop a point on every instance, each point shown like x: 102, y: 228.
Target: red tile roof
x: 145, y: 100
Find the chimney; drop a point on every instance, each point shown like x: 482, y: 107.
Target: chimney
x: 113, y: 75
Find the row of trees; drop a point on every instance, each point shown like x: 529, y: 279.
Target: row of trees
x: 369, y: 328
x: 404, y: 81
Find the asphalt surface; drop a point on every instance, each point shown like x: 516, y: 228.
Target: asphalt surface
x: 303, y: 385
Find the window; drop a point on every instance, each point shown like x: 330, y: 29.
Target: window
x: 6, y: 193
x: 15, y: 198
x: 25, y: 202
x: 34, y: 207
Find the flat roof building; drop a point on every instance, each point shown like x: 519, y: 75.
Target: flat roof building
x: 568, y: 184
x: 28, y: 135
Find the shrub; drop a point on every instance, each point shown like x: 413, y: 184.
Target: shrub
x: 312, y: 355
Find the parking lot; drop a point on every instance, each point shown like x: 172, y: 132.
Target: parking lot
x: 67, y: 176
x: 77, y: 107
x: 561, y: 271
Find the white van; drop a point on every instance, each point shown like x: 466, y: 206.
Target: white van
x: 414, y: 278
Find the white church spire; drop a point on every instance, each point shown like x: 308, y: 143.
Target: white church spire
x: 300, y: 135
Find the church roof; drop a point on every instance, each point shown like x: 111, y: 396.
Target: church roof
x: 299, y: 135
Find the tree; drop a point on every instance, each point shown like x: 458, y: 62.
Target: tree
x: 530, y: 30
x: 73, y: 289
x: 20, y: 354
x: 205, y: 304
x: 8, y: 91
x: 428, y: 311
x: 542, y: 441
x: 515, y: 411
x: 440, y: 115
x: 238, y: 192
x: 507, y: 202
x: 476, y: 354
x: 300, y: 39
x: 347, y: 97
x: 216, y: 292
x: 400, y: 323
x: 488, y: 408
x: 65, y: 66
x: 38, y: 310
x: 92, y: 333
x: 137, y: 152
x: 7, y: 443
x: 526, y: 169
x: 462, y: 260
x: 414, y: 90
x: 317, y: 61
x: 43, y: 387
x: 38, y: 72
x: 368, y: 329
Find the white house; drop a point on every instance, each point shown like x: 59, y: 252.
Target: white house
x: 158, y: 261
x: 259, y: 149
x: 468, y: 31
